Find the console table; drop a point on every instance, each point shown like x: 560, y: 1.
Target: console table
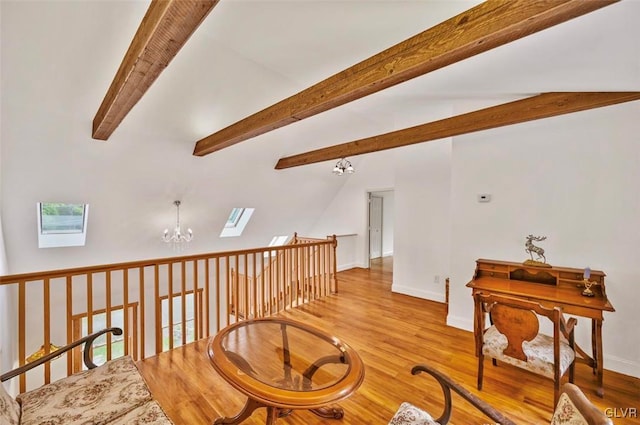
x: 551, y: 287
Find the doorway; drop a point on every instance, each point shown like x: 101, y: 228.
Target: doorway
x: 380, y: 225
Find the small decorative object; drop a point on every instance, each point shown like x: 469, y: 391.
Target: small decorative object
x: 587, y: 283
x: 531, y: 249
x: 41, y: 353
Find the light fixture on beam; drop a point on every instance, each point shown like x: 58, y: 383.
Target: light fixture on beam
x: 177, y: 237
x: 343, y: 166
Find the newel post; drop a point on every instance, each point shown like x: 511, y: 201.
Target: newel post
x: 334, y: 258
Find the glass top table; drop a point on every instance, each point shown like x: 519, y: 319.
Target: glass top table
x: 282, y: 365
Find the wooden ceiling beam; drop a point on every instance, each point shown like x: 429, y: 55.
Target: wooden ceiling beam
x: 165, y: 28
x: 484, y: 27
x: 532, y: 108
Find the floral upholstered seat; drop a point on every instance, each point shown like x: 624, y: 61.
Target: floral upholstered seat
x: 114, y: 393
x: 408, y: 414
x: 9, y: 409
x: 574, y: 408
x: 539, y: 352
x: 100, y: 395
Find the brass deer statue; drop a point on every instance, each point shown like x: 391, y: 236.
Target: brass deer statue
x: 531, y: 248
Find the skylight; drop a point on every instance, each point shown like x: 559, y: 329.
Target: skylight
x: 234, y: 217
x: 61, y: 224
x: 277, y: 241
x: 235, y: 224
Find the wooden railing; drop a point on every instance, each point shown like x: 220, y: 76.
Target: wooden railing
x: 303, y: 274
x: 60, y: 306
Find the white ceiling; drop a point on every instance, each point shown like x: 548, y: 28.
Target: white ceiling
x: 250, y: 54
x: 59, y: 58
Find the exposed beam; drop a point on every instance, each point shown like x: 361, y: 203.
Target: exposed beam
x: 165, y: 28
x: 529, y: 109
x: 488, y: 25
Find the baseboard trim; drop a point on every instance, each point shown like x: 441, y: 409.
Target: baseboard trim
x: 343, y: 267
x: 387, y: 254
x: 460, y: 323
x: 427, y: 295
x: 348, y: 266
x: 624, y: 366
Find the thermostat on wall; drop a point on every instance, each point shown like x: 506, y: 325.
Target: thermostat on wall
x: 484, y: 197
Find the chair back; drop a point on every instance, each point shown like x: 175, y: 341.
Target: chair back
x: 518, y: 325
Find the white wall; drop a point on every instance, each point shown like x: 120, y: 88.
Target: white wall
x: 574, y: 179
x: 51, y: 88
x: 421, y: 247
x: 348, y: 212
x: 8, y: 334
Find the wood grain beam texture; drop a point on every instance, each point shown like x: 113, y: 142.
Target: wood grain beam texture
x: 532, y: 108
x: 484, y: 27
x: 165, y: 28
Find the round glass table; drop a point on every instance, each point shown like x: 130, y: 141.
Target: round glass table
x: 284, y: 365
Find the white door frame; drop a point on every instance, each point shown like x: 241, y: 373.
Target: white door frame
x: 367, y: 246
x: 376, y: 224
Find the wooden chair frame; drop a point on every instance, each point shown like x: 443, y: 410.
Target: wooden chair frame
x: 449, y: 384
x: 591, y: 413
x: 87, y: 341
x: 486, y: 302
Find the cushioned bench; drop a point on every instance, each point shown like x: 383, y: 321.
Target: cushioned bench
x: 114, y: 393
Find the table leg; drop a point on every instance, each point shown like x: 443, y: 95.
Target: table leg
x: 272, y: 415
x: 596, y: 327
x: 329, y: 412
x: 246, y: 411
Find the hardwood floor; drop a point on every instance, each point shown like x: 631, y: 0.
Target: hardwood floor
x: 391, y: 332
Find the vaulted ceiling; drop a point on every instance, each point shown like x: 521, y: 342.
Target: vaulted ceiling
x: 59, y: 59
x: 166, y: 26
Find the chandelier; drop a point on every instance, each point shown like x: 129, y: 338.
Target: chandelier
x: 176, y: 237
x: 343, y: 166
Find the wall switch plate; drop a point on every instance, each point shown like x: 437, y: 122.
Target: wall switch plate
x: 484, y: 197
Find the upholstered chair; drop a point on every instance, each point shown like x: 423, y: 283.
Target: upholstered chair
x: 514, y: 338
x: 573, y: 407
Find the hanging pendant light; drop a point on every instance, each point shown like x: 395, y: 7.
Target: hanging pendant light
x: 177, y: 238
x: 343, y: 166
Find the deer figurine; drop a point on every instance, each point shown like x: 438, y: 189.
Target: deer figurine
x: 531, y: 248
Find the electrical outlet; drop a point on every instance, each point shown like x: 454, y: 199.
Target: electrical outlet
x: 436, y: 279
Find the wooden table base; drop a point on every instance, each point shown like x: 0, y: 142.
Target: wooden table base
x: 273, y: 413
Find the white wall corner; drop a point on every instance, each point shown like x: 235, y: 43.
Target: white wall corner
x: 343, y: 267
x: 460, y: 323
x: 387, y: 254
x: 419, y: 293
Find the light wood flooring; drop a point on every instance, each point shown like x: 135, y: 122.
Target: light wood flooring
x: 391, y: 332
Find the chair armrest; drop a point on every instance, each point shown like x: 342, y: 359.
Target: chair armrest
x: 585, y: 408
x: 447, y: 385
x: 566, y: 326
x: 87, y: 341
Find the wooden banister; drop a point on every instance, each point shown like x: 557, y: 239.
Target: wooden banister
x: 208, y: 291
